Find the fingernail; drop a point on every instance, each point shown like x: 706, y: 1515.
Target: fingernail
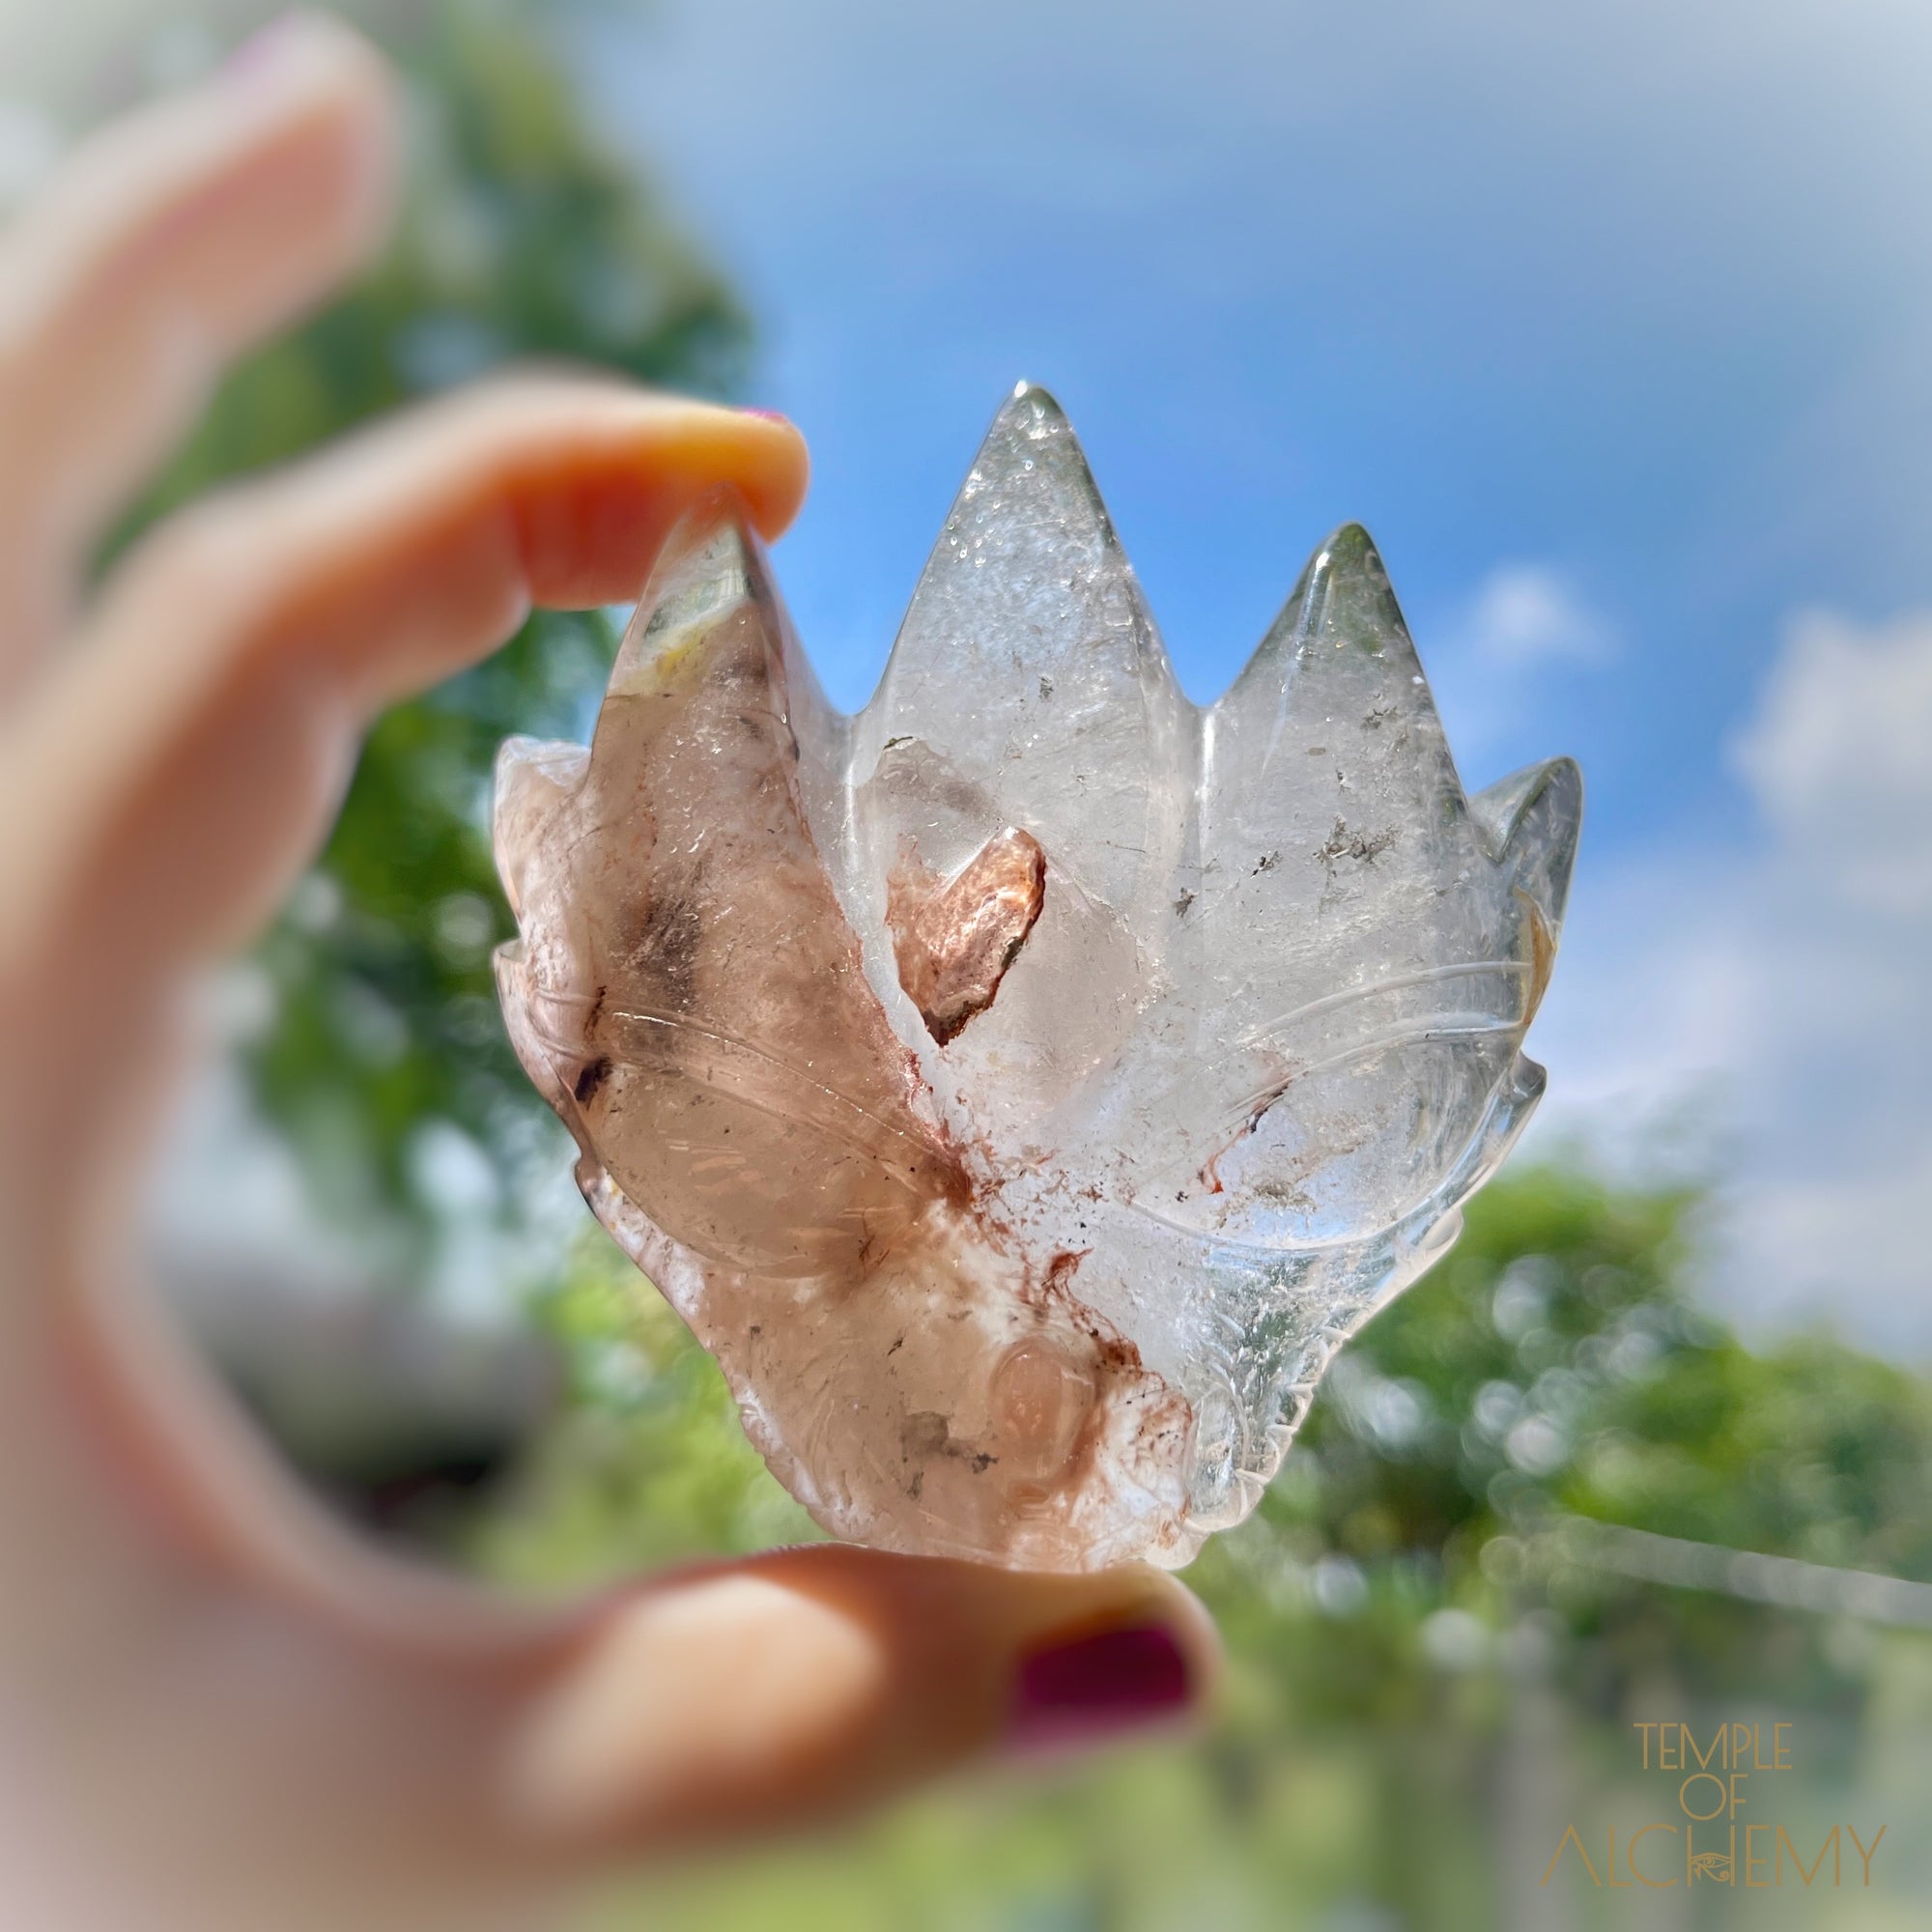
x: 1116, y: 1680
x: 267, y: 49
x: 769, y: 415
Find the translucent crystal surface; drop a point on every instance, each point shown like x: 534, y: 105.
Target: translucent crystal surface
x: 1023, y: 1087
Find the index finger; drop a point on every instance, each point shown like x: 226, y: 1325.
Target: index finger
x: 168, y: 779
x: 168, y: 241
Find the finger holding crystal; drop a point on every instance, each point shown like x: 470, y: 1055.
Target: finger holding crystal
x: 197, y: 737
x: 165, y: 246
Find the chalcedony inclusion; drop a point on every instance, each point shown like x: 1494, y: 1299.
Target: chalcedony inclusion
x: 1022, y: 1088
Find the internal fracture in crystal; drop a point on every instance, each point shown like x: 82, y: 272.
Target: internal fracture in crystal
x: 1022, y: 1088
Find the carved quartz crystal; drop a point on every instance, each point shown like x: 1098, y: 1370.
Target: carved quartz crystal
x: 1023, y: 1088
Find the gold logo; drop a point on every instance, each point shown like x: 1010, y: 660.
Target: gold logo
x: 1706, y: 1842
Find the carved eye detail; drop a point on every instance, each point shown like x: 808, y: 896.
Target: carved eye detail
x: 1024, y: 1085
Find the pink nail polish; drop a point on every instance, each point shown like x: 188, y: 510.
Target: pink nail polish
x: 1117, y: 1680
x: 264, y: 49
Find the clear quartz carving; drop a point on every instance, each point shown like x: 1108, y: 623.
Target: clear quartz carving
x: 1024, y: 1087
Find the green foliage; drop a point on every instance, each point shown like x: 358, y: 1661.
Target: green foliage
x: 646, y: 1463
x: 1554, y: 1367
x: 524, y: 235
x: 1383, y: 1608
x: 1379, y: 1605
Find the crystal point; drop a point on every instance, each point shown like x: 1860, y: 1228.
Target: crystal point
x: 1024, y: 1087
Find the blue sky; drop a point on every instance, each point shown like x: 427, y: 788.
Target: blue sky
x: 1579, y: 288
x: 1615, y: 325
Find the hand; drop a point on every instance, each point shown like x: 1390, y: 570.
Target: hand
x: 217, y: 1707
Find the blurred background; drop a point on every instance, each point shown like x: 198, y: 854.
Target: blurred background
x: 1616, y: 325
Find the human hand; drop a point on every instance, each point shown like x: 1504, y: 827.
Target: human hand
x: 217, y: 1707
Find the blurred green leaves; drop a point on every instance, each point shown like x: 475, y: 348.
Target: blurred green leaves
x: 1392, y: 1609
x: 1554, y: 1367
x: 646, y: 1463
x: 524, y: 235
x: 1401, y: 1581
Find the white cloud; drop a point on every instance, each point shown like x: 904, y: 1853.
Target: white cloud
x: 1839, y: 758
x: 1506, y: 657
x: 1526, y: 614
x: 1784, y: 989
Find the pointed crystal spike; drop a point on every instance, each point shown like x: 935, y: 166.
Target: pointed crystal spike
x: 1075, y: 733
x: 1338, y: 662
x: 1348, y: 958
x: 1529, y: 822
x: 694, y: 1020
x: 1328, y: 802
x: 1029, y: 602
x: 688, y: 992
x: 1025, y: 1088
x: 534, y: 779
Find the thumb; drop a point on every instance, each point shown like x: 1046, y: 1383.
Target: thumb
x: 804, y: 1683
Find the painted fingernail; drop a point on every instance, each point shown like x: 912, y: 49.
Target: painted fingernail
x: 769, y: 415
x: 267, y: 49
x: 1117, y: 1680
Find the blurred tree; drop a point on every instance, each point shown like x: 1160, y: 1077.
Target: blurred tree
x: 523, y: 234
x: 1384, y: 1606
x: 1553, y: 1368
x: 1379, y: 1605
